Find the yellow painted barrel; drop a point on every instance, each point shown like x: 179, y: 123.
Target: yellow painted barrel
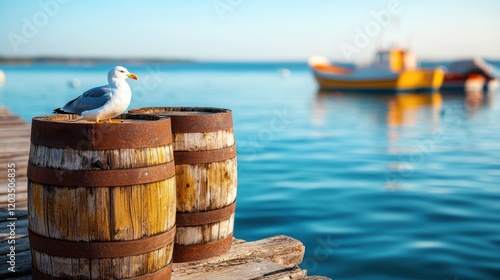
x: 101, y: 198
x: 206, y: 176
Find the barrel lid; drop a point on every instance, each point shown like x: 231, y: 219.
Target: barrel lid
x: 64, y: 131
x: 192, y: 119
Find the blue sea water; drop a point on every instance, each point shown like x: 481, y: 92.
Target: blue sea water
x: 376, y: 186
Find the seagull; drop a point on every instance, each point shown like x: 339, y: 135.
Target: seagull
x: 105, y: 102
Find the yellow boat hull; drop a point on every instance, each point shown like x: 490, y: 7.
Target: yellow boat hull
x: 407, y: 80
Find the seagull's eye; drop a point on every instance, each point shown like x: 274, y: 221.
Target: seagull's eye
x: 122, y: 71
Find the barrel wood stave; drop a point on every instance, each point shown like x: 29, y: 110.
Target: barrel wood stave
x: 205, y: 233
x: 204, y: 140
x: 207, y: 186
x: 70, y: 159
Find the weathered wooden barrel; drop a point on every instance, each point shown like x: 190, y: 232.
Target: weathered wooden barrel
x: 101, y: 198
x: 206, y: 176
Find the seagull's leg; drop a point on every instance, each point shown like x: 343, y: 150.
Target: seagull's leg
x: 114, y: 121
x: 77, y: 119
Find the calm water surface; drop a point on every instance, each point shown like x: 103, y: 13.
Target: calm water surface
x: 376, y: 186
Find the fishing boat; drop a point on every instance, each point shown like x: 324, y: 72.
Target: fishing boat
x: 394, y: 70
x: 471, y: 75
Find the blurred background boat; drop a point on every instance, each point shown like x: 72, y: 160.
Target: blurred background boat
x: 471, y: 75
x: 393, y: 70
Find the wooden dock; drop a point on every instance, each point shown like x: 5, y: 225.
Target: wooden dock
x: 273, y: 258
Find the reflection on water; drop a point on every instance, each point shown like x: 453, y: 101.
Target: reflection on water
x: 416, y: 126
x: 473, y: 100
x: 401, y: 109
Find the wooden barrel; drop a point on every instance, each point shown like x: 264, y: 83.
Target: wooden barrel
x: 205, y: 166
x: 101, y: 198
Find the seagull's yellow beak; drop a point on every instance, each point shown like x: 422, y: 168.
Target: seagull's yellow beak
x: 132, y: 76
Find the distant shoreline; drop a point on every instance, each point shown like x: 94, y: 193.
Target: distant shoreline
x: 86, y: 61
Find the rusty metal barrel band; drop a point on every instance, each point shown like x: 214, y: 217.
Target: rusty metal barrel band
x: 192, y: 119
x: 100, y: 249
x: 208, y: 156
x: 100, y: 178
x: 203, y: 218
x: 183, y: 253
x: 51, y: 131
x: 163, y: 273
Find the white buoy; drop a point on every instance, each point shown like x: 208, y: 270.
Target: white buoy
x: 285, y: 72
x: 74, y: 83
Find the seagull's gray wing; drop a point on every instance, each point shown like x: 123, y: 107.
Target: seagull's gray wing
x: 89, y: 100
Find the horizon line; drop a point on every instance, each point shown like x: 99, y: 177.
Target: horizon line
x: 100, y: 59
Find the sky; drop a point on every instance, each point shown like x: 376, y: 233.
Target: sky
x: 249, y: 30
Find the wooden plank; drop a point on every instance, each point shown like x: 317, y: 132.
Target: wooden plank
x: 244, y: 268
x: 21, y: 244
x: 22, y: 265
x: 21, y: 213
x: 294, y: 273
x: 21, y: 229
x: 14, y: 148
x: 21, y: 187
x: 280, y: 249
x: 22, y: 204
x: 21, y: 198
x: 19, y: 158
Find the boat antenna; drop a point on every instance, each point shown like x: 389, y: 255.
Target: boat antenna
x: 409, y: 40
x: 380, y: 40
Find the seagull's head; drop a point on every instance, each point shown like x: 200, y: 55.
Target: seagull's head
x: 119, y: 73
